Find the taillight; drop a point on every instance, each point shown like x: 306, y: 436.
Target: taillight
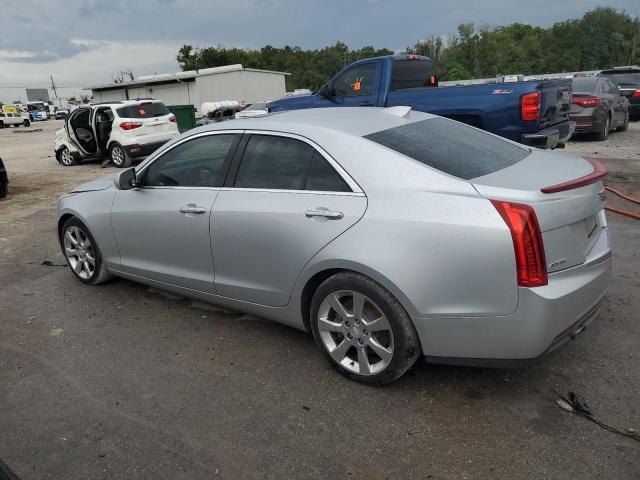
x: 172, y: 118
x: 521, y: 219
x: 130, y: 125
x: 586, y: 101
x: 636, y: 93
x: 530, y: 106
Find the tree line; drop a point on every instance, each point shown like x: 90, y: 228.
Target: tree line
x: 603, y: 37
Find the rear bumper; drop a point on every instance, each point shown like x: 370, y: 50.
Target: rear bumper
x: 144, y: 150
x: 551, y: 137
x: 546, y: 318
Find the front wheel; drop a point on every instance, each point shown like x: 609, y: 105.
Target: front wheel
x: 603, y: 133
x: 119, y: 156
x: 625, y: 125
x: 26, y: 123
x: 82, y: 253
x: 362, y: 330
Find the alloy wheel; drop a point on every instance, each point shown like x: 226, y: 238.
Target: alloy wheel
x: 66, y: 157
x: 79, y: 252
x: 117, y: 156
x: 355, y: 332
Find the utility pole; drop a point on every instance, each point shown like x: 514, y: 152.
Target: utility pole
x: 53, y: 87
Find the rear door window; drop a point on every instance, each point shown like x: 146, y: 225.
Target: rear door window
x: 144, y: 110
x: 451, y: 147
x: 412, y: 74
x: 282, y: 163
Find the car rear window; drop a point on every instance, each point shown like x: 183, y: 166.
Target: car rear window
x: 451, y: 147
x: 412, y: 74
x: 583, y: 84
x: 627, y: 78
x: 144, y: 110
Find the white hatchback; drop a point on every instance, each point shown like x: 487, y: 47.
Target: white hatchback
x: 117, y: 131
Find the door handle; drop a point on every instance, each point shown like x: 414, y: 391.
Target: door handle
x: 367, y: 103
x: 324, y: 212
x: 191, y: 208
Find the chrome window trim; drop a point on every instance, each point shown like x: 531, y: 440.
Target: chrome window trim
x: 277, y: 190
x: 353, y: 185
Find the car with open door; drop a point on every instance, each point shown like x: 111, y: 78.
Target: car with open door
x: 389, y: 234
x: 118, y: 131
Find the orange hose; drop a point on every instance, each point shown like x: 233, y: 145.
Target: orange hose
x: 623, y: 212
x: 622, y: 195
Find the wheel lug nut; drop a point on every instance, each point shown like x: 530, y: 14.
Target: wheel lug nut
x: 360, y: 341
x: 349, y: 336
x: 364, y: 332
x: 347, y: 324
x: 357, y: 322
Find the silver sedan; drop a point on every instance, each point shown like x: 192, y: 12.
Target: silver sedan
x: 387, y: 233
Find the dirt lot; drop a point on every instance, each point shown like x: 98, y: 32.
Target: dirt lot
x: 122, y: 381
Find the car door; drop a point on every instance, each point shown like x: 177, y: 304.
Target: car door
x: 357, y: 86
x: 284, y: 200
x: 81, y: 118
x: 162, y: 227
x: 617, y: 101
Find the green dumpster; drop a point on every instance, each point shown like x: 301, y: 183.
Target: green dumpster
x: 185, y: 116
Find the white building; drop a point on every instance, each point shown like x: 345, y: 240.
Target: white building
x: 232, y: 82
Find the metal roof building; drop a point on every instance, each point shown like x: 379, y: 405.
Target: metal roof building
x: 231, y: 82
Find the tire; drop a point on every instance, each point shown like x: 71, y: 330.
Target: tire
x: 82, y: 253
x: 383, y: 327
x: 1, y: 124
x: 26, y: 123
x: 119, y: 156
x: 625, y: 125
x: 603, y: 133
x: 3, y: 190
x: 65, y: 157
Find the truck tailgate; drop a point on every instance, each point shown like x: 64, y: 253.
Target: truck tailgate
x: 556, y: 102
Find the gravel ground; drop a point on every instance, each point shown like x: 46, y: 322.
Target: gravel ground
x: 123, y: 381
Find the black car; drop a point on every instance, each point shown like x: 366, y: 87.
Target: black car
x: 598, y: 107
x: 628, y: 80
x: 4, y: 180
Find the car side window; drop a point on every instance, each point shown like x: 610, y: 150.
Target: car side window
x: 282, y: 163
x: 199, y: 162
x: 612, y: 87
x: 276, y: 163
x: 323, y: 177
x: 356, y: 81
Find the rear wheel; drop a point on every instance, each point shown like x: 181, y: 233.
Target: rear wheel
x: 119, y: 156
x: 603, y: 133
x: 82, y: 253
x: 65, y: 157
x: 625, y: 125
x: 26, y: 122
x: 362, y: 330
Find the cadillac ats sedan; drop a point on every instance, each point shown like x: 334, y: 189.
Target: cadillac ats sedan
x: 389, y: 234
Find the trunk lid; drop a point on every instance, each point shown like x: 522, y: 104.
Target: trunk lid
x: 570, y: 220
x: 556, y: 102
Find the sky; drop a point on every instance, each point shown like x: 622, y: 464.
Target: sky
x: 84, y: 43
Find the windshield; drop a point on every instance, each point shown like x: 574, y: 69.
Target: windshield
x: 451, y: 147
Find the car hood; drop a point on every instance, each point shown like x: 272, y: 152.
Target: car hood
x: 101, y: 183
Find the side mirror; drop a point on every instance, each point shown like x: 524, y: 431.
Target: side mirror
x: 126, y: 179
x: 326, y: 91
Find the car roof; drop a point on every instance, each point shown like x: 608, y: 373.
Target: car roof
x: 355, y: 121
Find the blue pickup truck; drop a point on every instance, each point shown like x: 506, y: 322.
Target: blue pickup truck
x: 534, y: 112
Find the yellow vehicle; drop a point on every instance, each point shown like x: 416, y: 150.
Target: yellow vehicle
x: 10, y: 109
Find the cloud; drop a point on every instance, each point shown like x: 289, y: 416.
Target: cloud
x: 64, y: 37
